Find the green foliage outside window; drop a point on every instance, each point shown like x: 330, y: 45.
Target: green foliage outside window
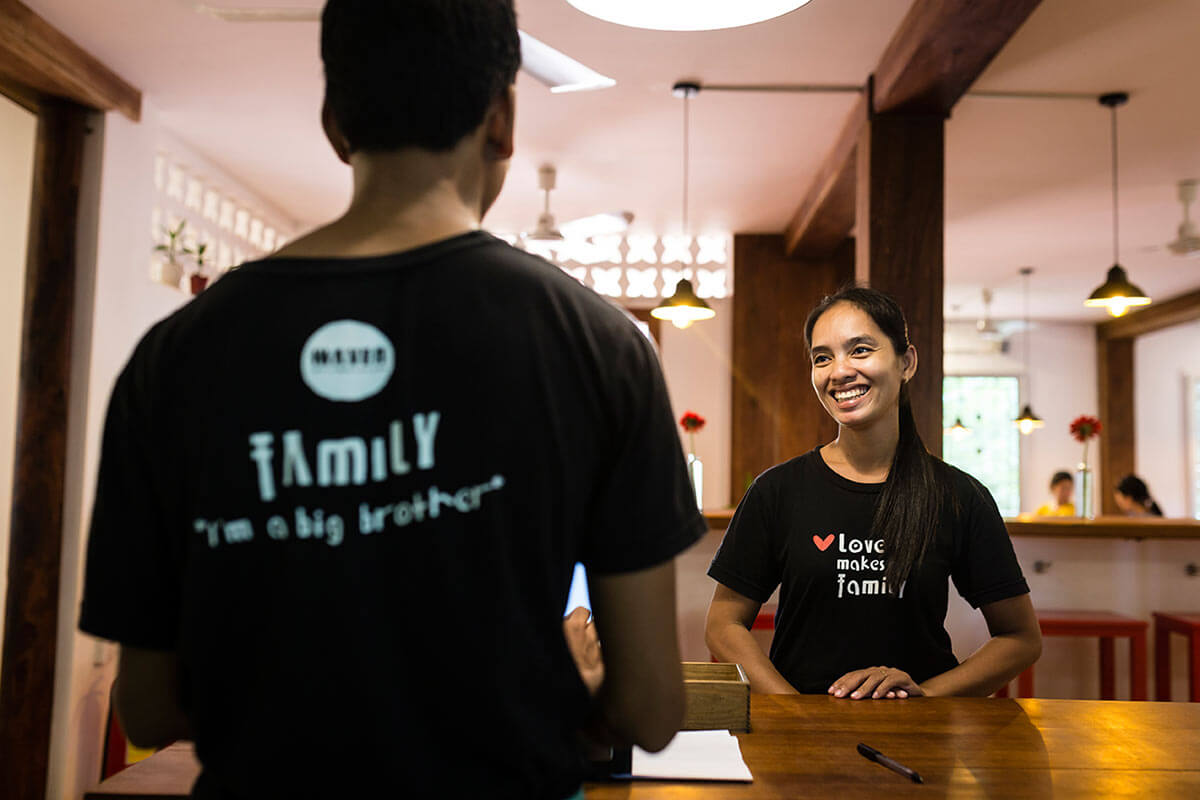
x: 991, y: 451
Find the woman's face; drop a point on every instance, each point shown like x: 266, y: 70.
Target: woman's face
x: 856, y: 372
x: 1062, y: 491
x: 1126, y: 503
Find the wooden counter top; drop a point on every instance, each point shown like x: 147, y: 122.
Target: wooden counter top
x: 804, y: 746
x: 1061, y: 527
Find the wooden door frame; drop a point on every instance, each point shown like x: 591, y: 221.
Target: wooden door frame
x: 44, y: 71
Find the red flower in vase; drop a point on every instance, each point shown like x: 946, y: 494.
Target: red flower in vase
x: 1085, y: 427
x: 691, y: 422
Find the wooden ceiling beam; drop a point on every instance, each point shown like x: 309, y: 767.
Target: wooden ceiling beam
x: 35, y: 54
x: 938, y: 51
x: 1176, y: 311
x: 825, y: 216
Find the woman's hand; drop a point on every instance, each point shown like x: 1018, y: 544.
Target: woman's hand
x: 584, y: 644
x: 876, y: 683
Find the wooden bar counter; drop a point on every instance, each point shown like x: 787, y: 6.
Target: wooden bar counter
x: 1110, y: 527
x: 804, y: 747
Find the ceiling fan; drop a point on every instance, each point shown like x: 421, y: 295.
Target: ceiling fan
x: 1188, y: 243
x: 991, y: 330
x: 540, y: 61
x: 583, y: 228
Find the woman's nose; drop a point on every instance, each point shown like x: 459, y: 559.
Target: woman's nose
x: 842, y: 368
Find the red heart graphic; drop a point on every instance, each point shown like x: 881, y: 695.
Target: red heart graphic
x: 823, y: 544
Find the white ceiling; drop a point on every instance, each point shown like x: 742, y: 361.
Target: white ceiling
x: 1027, y: 180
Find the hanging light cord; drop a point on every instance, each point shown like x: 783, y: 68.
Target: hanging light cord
x: 1028, y: 372
x: 1116, y: 223
x: 685, y: 164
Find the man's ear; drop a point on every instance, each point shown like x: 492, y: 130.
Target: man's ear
x: 498, y: 126
x: 334, y: 134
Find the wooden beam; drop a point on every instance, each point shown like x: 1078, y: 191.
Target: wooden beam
x: 1114, y: 372
x: 1176, y: 311
x: 825, y: 216
x: 938, y: 51
x: 35, y: 54
x: 39, y: 474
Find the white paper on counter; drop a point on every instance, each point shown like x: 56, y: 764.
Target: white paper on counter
x: 694, y: 755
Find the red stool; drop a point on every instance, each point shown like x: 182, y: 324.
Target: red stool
x: 1106, y: 626
x: 1188, y: 625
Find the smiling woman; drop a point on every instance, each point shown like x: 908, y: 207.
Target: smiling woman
x: 861, y: 536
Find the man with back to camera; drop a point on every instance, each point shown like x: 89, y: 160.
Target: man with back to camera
x: 342, y: 491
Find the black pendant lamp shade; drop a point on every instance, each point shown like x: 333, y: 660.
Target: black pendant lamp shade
x: 683, y: 307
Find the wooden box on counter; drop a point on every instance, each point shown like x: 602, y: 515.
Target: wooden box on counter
x: 718, y: 697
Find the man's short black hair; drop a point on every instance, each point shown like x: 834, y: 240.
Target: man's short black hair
x: 415, y: 73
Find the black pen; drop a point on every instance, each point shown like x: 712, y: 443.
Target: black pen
x: 895, y: 766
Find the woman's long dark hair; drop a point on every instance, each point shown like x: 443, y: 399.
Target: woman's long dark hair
x: 1135, y: 488
x: 909, y: 512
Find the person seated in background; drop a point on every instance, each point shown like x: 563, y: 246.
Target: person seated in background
x: 1133, y: 498
x: 1062, y: 487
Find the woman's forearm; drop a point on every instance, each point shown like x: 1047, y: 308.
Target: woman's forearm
x: 733, y: 643
x: 993, y: 665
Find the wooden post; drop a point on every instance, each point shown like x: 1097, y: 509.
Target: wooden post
x: 35, y: 540
x: 899, y: 242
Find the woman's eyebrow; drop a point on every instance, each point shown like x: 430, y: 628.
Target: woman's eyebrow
x: 848, y: 344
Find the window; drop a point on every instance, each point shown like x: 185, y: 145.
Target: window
x: 990, y: 452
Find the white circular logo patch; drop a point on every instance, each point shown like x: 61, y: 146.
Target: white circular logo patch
x: 347, y: 361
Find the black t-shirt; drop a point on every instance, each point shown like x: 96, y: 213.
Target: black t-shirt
x: 350, y: 494
x: 806, y: 529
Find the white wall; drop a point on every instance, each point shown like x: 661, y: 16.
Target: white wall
x: 18, y: 132
x: 1162, y: 360
x: 696, y: 364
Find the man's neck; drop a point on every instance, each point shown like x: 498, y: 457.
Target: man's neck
x: 401, y: 201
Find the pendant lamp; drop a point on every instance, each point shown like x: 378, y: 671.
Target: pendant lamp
x: 1028, y: 422
x: 958, y: 430
x: 683, y: 307
x: 1116, y: 294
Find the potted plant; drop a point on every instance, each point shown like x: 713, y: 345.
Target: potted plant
x: 171, y: 271
x: 199, y: 279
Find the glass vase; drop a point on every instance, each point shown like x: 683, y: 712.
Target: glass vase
x: 1084, y: 490
x: 695, y: 469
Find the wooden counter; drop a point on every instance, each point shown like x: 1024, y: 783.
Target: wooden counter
x: 1062, y: 527
x: 804, y: 746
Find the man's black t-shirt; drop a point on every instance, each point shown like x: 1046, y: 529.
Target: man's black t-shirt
x: 806, y: 529
x: 350, y: 494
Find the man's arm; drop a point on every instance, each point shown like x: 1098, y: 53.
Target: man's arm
x: 727, y: 634
x: 641, y: 700
x: 147, y: 697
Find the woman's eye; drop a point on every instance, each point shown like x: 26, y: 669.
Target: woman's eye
x: 860, y: 350
x: 820, y: 360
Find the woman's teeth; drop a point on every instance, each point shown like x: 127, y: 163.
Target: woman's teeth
x: 849, y: 394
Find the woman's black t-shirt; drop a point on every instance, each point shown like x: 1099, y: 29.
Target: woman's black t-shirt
x: 806, y: 529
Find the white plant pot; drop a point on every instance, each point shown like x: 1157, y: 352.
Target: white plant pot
x: 170, y: 273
